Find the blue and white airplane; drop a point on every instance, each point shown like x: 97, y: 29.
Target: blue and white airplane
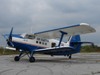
x: 46, y: 42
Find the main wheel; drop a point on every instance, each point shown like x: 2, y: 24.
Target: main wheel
x: 17, y: 58
x: 32, y: 59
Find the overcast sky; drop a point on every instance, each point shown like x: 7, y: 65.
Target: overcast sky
x: 40, y: 15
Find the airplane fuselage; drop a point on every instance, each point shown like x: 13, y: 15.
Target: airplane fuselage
x: 32, y: 43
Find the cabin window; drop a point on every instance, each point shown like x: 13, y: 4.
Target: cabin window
x: 38, y: 38
x: 36, y: 41
x: 45, y: 43
x: 40, y: 42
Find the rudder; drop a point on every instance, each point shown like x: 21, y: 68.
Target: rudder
x: 74, y: 42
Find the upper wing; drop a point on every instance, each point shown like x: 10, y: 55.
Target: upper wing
x: 81, y: 28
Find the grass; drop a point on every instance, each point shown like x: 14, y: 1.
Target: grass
x: 7, y: 52
x: 90, y: 49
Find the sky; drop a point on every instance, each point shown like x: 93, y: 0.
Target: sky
x: 38, y: 15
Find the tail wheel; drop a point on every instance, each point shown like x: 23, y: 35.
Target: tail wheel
x: 17, y: 58
x: 32, y: 59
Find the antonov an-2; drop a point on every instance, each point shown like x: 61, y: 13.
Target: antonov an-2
x: 46, y: 42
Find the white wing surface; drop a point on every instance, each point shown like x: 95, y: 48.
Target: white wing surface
x: 78, y: 29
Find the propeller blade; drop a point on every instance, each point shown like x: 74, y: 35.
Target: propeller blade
x: 11, y: 43
x: 10, y: 35
x: 8, y: 39
x: 5, y: 37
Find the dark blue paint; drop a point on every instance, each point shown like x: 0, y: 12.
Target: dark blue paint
x: 62, y: 35
x: 26, y: 47
x: 76, y: 45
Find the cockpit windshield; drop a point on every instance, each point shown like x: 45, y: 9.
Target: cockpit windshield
x: 30, y: 36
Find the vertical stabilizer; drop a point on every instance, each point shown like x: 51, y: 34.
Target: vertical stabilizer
x: 73, y: 42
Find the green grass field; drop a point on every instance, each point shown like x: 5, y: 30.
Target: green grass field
x: 7, y: 52
x: 90, y: 49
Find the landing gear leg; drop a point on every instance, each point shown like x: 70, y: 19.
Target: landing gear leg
x: 23, y: 53
x: 31, y: 58
x: 70, y: 56
x: 17, y: 58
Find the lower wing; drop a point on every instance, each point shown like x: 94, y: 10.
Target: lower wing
x: 56, y: 49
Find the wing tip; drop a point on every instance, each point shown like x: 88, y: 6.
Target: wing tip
x: 86, y: 24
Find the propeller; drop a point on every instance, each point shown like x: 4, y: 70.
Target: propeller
x: 9, y: 39
x: 10, y: 35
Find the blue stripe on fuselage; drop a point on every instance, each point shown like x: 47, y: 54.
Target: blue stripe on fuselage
x: 27, y: 47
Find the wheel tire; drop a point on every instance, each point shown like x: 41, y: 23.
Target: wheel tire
x: 32, y: 59
x: 17, y: 58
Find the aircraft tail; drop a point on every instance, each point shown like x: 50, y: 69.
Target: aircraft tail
x: 75, y: 41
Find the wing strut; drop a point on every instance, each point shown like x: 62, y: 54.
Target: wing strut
x: 62, y: 35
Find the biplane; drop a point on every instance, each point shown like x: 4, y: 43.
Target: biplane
x: 49, y: 42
